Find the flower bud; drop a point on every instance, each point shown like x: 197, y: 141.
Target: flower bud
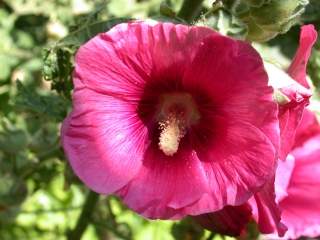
x: 266, y: 18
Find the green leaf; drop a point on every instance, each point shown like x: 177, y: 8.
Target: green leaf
x: 265, y: 19
x: 12, y: 190
x: 5, y: 71
x: 187, y: 229
x: 58, y: 60
x: 51, y: 106
x: 226, y: 24
x: 166, y: 10
x: 13, y: 141
x: 312, y: 11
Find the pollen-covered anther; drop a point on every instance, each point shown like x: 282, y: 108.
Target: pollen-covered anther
x: 172, y: 130
x: 177, y: 112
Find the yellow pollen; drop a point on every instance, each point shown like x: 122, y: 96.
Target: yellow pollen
x: 172, y: 131
x: 177, y: 112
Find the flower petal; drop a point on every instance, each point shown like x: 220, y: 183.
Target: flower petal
x: 302, y: 205
x: 308, y: 127
x: 130, y: 55
x: 232, y: 74
x: 231, y: 220
x: 238, y: 135
x: 283, y: 175
x: 290, y: 112
x: 103, y: 138
x: 165, y: 184
x: 236, y: 166
x: 296, y: 182
x: 295, y: 88
x: 289, y: 118
x: 104, y: 135
x: 266, y: 212
x: 297, y: 69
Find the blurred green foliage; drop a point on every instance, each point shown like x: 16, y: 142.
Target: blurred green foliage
x: 40, y: 198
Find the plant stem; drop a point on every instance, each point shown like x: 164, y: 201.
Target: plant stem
x: 211, y: 236
x: 215, y: 7
x: 85, y: 217
x: 190, y: 9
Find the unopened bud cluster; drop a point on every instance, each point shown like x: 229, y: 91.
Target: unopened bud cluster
x: 266, y: 18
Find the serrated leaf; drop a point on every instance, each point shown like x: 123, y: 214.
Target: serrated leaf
x: 226, y: 24
x: 58, y: 60
x: 51, y: 106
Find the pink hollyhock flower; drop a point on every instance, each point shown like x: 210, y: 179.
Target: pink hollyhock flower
x: 176, y: 120
x: 296, y: 90
x: 263, y: 205
x: 299, y: 194
x: 297, y: 71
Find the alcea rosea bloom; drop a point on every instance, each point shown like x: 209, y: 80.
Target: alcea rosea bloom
x: 264, y: 206
x: 298, y: 182
x: 296, y: 91
x: 174, y: 119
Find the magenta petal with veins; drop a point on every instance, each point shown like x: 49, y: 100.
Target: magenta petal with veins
x: 301, y: 204
x: 294, y: 184
x: 298, y: 92
x: 265, y: 207
x: 176, y: 120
